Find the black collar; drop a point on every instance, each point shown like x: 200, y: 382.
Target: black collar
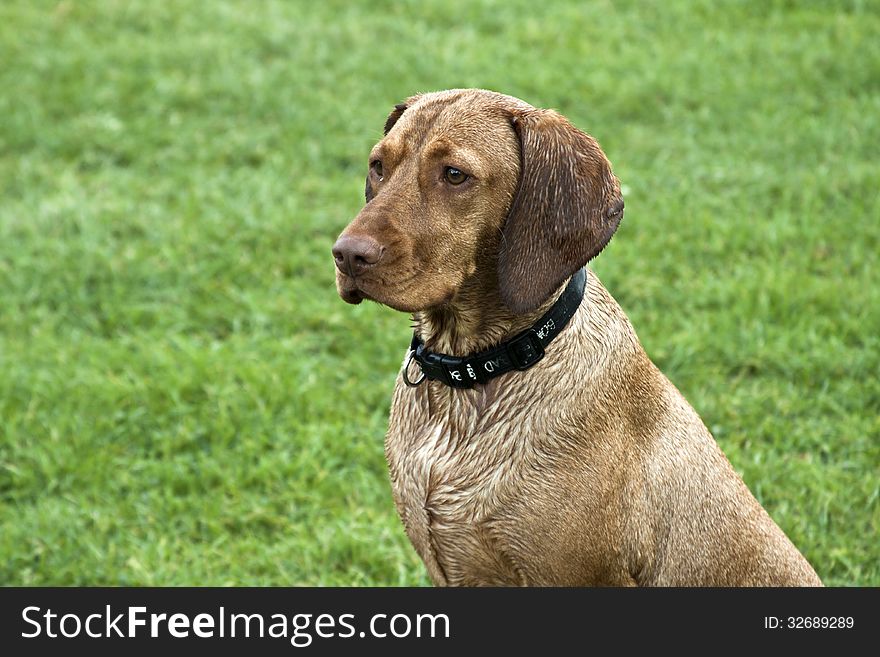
x: 518, y: 353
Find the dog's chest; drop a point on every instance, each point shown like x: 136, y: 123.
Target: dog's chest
x: 451, y: 471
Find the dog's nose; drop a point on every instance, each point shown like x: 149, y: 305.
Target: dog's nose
x: 355, y: 254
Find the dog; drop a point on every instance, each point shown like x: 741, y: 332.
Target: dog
x: 531, y: 441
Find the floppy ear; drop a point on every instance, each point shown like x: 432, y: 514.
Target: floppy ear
x: 396, y: 113
x: 565, y: 211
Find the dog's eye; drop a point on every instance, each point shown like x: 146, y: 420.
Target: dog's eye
x: 377, y: 167
x: 453, y: 176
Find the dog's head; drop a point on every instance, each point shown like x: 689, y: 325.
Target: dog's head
x: 471, y: 183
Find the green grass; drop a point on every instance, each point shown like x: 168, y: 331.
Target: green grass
x: 184, y: 399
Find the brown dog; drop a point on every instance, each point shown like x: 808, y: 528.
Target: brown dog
x: 585, y: 466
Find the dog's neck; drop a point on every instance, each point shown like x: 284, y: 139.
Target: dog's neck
x: 475, y: 319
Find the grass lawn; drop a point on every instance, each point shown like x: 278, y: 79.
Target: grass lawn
x: 184, y: 400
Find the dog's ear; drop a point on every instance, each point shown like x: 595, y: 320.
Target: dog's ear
x: 396, y: 113
x: 565, y: 211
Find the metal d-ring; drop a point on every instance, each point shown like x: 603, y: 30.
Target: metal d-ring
x: 409, y: 360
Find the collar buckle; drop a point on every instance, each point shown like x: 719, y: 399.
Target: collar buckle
x: 525, y: 350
